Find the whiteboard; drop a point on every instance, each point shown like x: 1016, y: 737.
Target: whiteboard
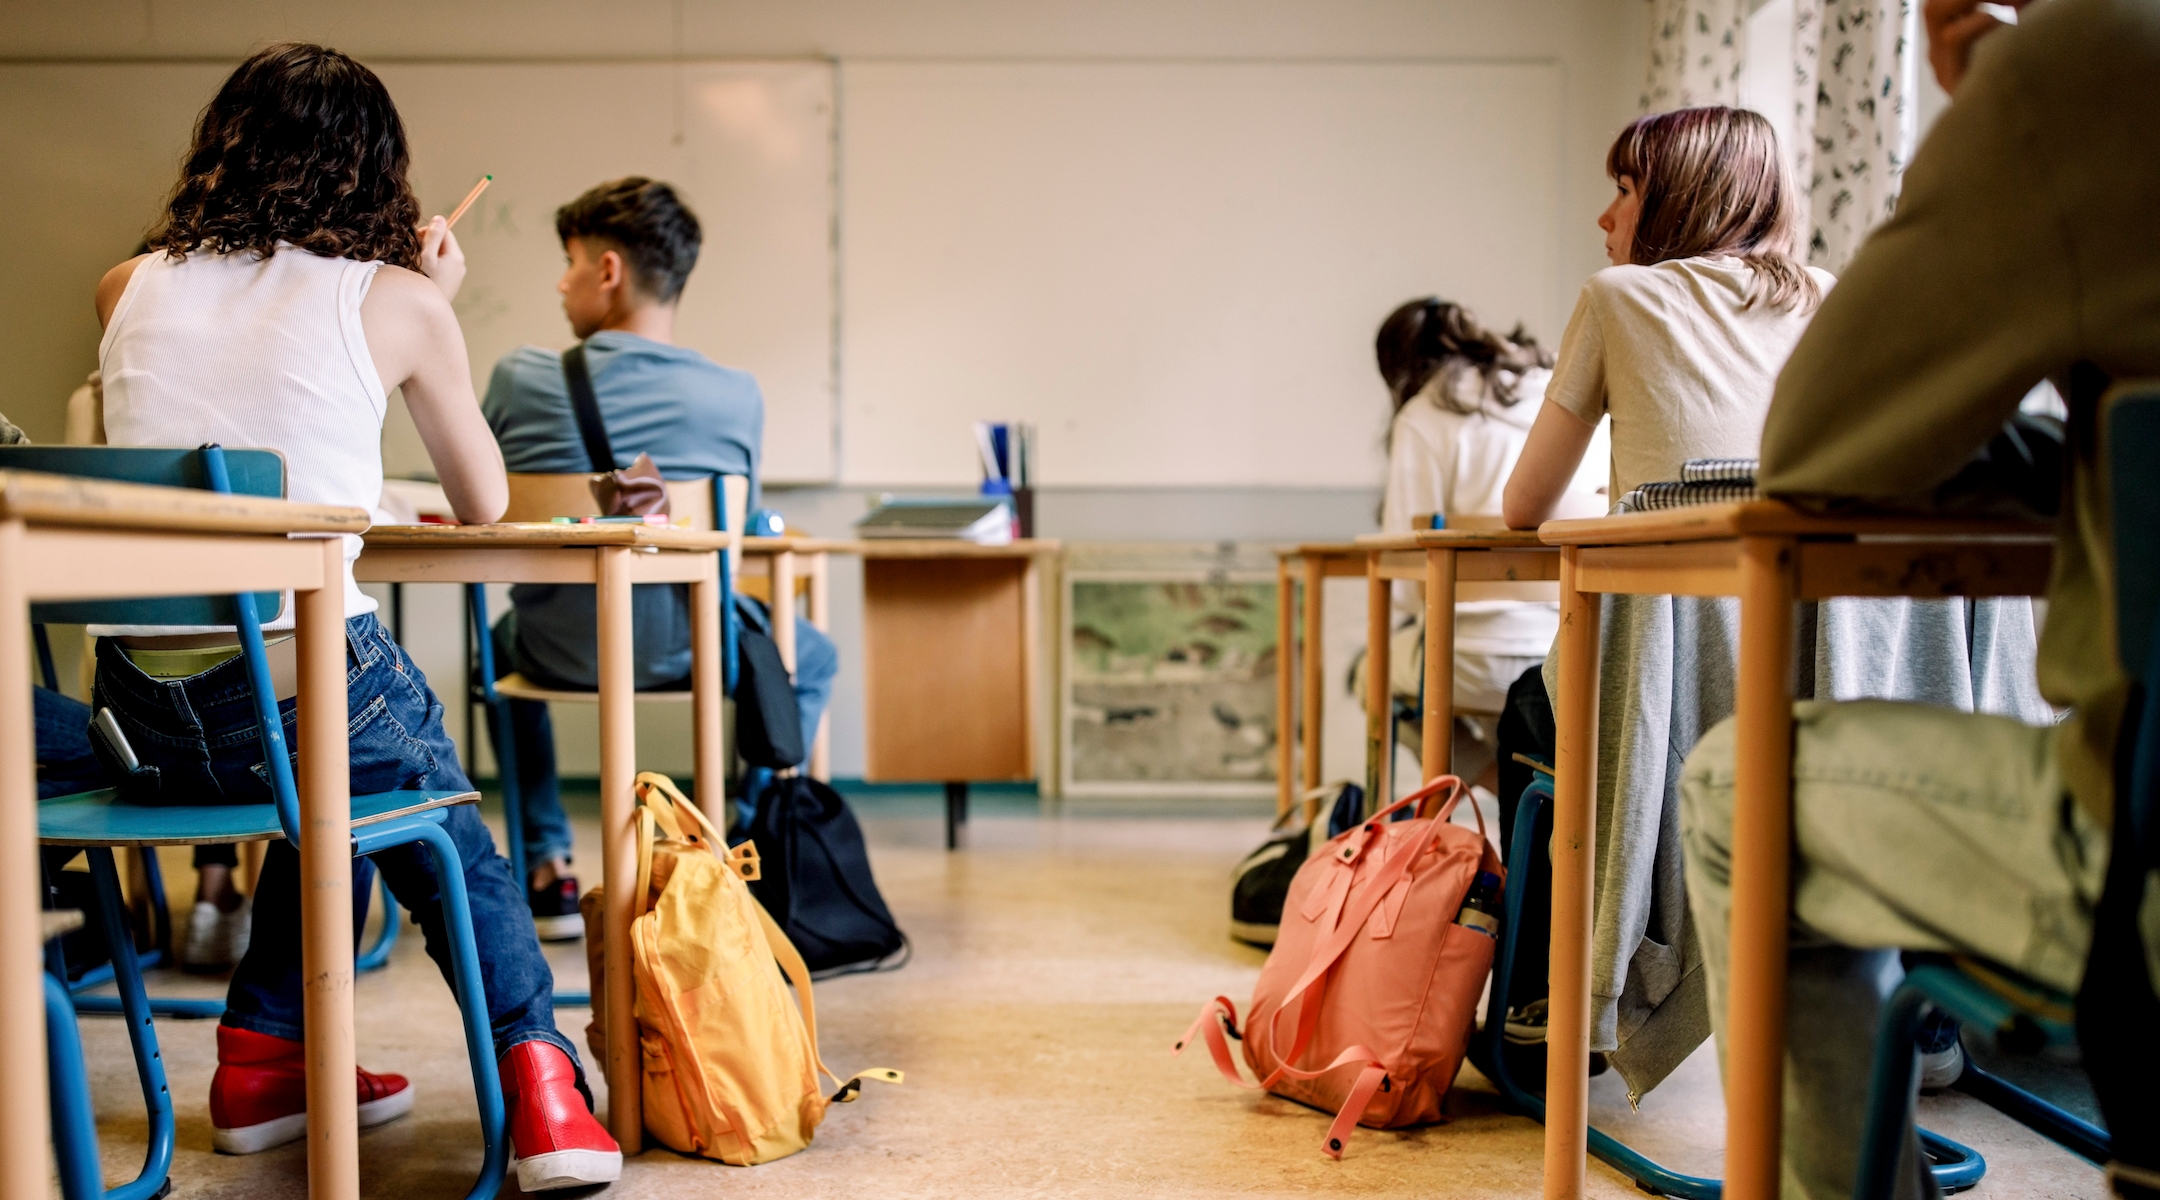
x: 1174, y: 269
x: 92, y: 148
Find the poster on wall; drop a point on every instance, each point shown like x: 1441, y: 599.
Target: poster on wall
x: 1169, y: 672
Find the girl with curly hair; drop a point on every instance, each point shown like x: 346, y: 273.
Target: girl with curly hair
x: 290, y: 285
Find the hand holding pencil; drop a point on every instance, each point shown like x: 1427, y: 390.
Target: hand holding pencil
x: 441, y: 259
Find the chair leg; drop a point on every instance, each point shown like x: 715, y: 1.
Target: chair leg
x: 142, y: 1034
x: 74, y: 1122
x: 1890, y: 1094
x: 513, y: 801
x: 2080, y: 1137
x: 465, y: 982
x: 378, y: 954
x: 956, y: 814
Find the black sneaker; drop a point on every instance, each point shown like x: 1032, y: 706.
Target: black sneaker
x: 555, y: 910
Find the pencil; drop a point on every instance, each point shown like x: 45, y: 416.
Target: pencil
x: 470, y: 196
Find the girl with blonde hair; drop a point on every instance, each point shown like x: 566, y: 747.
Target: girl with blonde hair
x: 1680, y: 342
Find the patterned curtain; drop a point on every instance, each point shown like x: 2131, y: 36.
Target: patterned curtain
x: 1856, y: 109
x: 1696, y: 48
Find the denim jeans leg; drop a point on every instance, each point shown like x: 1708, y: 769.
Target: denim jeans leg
x: 65, y: 763
x: 520, y: 988
x: 817, y: 660
x: 546, y: 826
x: 200, y: 732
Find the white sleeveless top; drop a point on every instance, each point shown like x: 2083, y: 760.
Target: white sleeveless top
x: 252, y: 354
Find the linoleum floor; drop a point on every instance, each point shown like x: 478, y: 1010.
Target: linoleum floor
x: 1056, y: 959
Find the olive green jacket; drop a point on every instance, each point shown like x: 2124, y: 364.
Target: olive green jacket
x: 2026, y: 246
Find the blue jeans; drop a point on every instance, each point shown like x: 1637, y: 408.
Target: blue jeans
x: 547, y: 828
x: 65, y: 763
x: 200, y: 734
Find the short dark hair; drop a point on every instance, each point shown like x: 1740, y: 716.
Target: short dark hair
x: 301, y: 145
x: 644, y: 218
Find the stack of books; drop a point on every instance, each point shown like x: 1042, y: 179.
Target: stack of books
x: 983, y: 520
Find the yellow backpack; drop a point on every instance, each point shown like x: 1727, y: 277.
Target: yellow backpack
x: 730, y: 1065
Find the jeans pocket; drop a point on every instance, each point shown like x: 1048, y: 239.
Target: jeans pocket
x: 385, y: 756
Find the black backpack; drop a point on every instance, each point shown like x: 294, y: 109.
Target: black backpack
x: 816, y: 880
x: 1261, y: 883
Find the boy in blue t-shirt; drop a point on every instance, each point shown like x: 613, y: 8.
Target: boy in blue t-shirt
x: 630, y: 244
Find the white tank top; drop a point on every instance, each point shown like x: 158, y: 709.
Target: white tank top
x: 252, y: 354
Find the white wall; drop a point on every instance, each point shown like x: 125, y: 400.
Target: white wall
x: 1591, y: 49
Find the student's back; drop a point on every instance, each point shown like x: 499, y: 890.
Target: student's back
x: 1680, y: 357
x: 694, y: 416
x: 256, y: 352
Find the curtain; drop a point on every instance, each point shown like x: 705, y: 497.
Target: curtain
x: 1855, y: 105
x: 1696, y: 49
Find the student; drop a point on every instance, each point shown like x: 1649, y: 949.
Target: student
x: 1680, y: 341
x: 290, y: 286
x: 2024, y: 246
x: 1463, y: 398
x: 630, y: 245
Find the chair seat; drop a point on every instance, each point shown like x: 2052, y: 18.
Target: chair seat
x: 516, y: 687
x: 99, y: 819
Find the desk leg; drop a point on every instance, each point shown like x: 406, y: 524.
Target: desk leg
x: 326, y: 947
x: 1315, y: 664
x: 1567, y: 1032
x: 821, y: 620
x: 783, y: 608
x: 1439, y: 748
x: 25, y: 1134
x: 618, y: 844
x: 1285, y: 687
x: 1379, y: 697
x: 1761, y: 871
x: 706, y: 691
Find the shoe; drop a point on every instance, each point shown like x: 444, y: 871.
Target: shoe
x: 216, y: 939
x: 1526, y: 1025
x: 258, y: 1098
x: 554, y: 1140
x: 1941, y: 1068
x: 555, y: 911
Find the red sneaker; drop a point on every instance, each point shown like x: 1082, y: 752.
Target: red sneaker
x: 258, y: 1098
x: 554, y: 1140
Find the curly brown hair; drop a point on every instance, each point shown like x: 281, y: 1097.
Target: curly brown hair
x: 301, y: 147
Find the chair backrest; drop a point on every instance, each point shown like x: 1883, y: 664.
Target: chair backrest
x: 536, y: 496
x: 207, y: 468
x: 250, y: 472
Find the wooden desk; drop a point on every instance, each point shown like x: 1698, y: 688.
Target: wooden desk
x: 1770, y: 556
x: 781, y: 562
x: 1454, y: 565
x: 612, y: 558
x: 952, y: 663
x: 1303, y: 662
x: 66, y: 538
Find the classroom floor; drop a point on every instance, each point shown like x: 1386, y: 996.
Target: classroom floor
x: 1056, y: 960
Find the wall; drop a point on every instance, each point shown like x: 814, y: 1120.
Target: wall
x: 1593, y: 46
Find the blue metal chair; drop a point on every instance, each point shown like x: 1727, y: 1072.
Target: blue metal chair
x: 1957, y: 1167
x: 2027, y: 1015
x: 97, y: 821
x: 539, y: 497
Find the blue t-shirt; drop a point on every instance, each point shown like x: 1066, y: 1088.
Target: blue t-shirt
x: 692, y: 415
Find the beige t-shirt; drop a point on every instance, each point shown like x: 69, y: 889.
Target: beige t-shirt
x: 1675, y: 355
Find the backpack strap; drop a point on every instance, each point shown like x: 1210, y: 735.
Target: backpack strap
x: 586, y: 407
x: 798, y: 973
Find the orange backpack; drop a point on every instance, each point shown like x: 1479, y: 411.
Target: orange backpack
x: 1365, y: 1005
x: 730, y: 1065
